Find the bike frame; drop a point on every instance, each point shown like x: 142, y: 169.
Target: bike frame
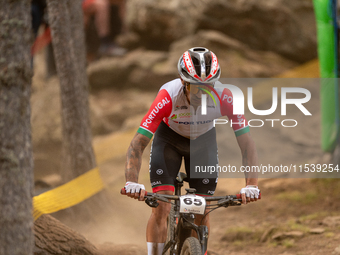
x: 184, y: 222
x: 185, y: 227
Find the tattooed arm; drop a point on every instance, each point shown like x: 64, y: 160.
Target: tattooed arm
x: 134, y: 161
x: 249, y: 158
x: 134, y: 157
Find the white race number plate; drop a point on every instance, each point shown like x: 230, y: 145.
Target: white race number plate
x: 192, y: 204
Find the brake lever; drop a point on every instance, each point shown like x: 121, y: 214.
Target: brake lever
x: 163, y: 199
x: 224, y: 202
x: 237, y: 203
x: 155, y: 197
x: 229, y: 201
x: 152, y: 202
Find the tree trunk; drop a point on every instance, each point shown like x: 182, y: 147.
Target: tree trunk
x: 69, y: 51
x: 16, y: 163
x: 53, y: 237
x: 67, y: 28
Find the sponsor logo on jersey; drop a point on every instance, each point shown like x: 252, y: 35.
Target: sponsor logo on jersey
x: 200, y: 122
x: 159, y: 171
x: 156, y: 183
x: 185, y: 114
x: 205, y: 181
x: 173, y: 117
x: 183, y: 107
x: 211, y: 192
x: 204, y: 121
x: 153, y: 113
x: 241, y: 120
x: 228, y: 98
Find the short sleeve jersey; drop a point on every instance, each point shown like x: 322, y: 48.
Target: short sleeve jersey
x: 172, y: 107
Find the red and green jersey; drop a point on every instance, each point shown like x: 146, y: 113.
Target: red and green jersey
x: 172, y: 107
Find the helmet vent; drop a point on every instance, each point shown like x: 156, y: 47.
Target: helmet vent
x: 199, y: 49
x: 197, y: 65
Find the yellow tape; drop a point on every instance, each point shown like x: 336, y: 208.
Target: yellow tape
x: 69, y: 194
x: 84, y: 186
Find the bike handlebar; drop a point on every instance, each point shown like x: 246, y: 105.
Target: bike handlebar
x: 175, y: 197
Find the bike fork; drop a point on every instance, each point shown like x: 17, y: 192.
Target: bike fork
x: 203, y: 232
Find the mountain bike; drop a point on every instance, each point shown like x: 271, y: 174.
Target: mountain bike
x: 182, y: 215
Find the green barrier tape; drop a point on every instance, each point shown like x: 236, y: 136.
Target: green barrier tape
x: 327, y: 49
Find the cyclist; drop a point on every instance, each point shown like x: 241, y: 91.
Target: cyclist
x: 180, y: 130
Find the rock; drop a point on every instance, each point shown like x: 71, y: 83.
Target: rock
x: 161, y: 22
x: 278, y: 236
x: 294, y: 234
x: 337, y: 250
x: 135, y: 69
x: 317, y: 231
x: 331, y: 221
x: 128, y: 40
x: 284, y: 235
x: 266, y: 234
x: 110, y: 73
x: 281, y: 26
x: 236, y: 58
x: 53, y: 180
x: 46, y: 183
x: 149, y: 70
x: 111, y: 108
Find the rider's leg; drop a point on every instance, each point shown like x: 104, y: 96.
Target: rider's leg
x: 157, y: 226
x: 165, y: 162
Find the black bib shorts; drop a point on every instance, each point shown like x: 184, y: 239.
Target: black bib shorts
x: 167, y: 151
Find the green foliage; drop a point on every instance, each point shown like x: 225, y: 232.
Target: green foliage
x: 314, y: 216
x: 288, y: 243
x: 330, y: 186
x: 307, y: 197
x: 329, y: 234
x: 293, y: 225
x: 240, y: 234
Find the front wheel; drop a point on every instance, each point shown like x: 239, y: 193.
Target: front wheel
x: 170, y: 230
x: 191, y: 246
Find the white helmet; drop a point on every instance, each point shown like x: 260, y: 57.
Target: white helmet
x: 199, y: 65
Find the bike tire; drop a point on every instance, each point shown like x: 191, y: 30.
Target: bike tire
x: 191, y: 246
x: 170, y: 228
